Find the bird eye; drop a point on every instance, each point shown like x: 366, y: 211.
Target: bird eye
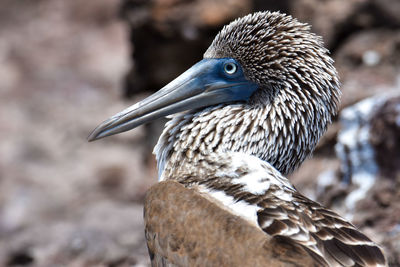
x: 230, y: 68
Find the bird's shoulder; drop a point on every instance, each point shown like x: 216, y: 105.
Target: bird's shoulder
x: 262, y: 195
x: 245, y: 187
x: 185, y: 228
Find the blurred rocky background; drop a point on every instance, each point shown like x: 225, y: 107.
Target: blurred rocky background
x: 67, y: 65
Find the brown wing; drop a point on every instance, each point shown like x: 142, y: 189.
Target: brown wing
x: 324, y: 234
x: 184, y: 228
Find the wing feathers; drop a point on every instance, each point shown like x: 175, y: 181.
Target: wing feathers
x: 335, y: 250
x: 322, y: 232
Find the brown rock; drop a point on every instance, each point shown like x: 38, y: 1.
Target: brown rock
x: 368, y: 63
x: 385, y: 137
x: 336, y: 20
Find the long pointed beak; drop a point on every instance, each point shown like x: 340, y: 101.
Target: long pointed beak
x: 204, y: 84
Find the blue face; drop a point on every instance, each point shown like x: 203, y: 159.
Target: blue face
x: 209, y: 82
x: 225, y: 76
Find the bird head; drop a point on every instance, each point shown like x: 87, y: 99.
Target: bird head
x: 267, y: 60
x: 278, y: 52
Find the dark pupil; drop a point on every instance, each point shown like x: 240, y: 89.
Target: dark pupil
x: 229, y: 67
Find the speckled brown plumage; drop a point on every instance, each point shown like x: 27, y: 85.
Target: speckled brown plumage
x: 281, y: 211
x: 233, y: 205
x: 281, y: 125
x: 285, y: 118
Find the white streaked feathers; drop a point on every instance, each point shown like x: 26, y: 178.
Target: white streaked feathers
x: 239, y: 208
x: 280, y: 209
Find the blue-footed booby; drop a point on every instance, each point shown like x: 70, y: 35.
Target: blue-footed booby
x: 241, y: 119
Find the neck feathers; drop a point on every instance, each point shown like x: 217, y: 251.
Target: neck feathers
x: 281, y: 132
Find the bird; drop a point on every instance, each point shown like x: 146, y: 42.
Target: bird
x: 241, y: 119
